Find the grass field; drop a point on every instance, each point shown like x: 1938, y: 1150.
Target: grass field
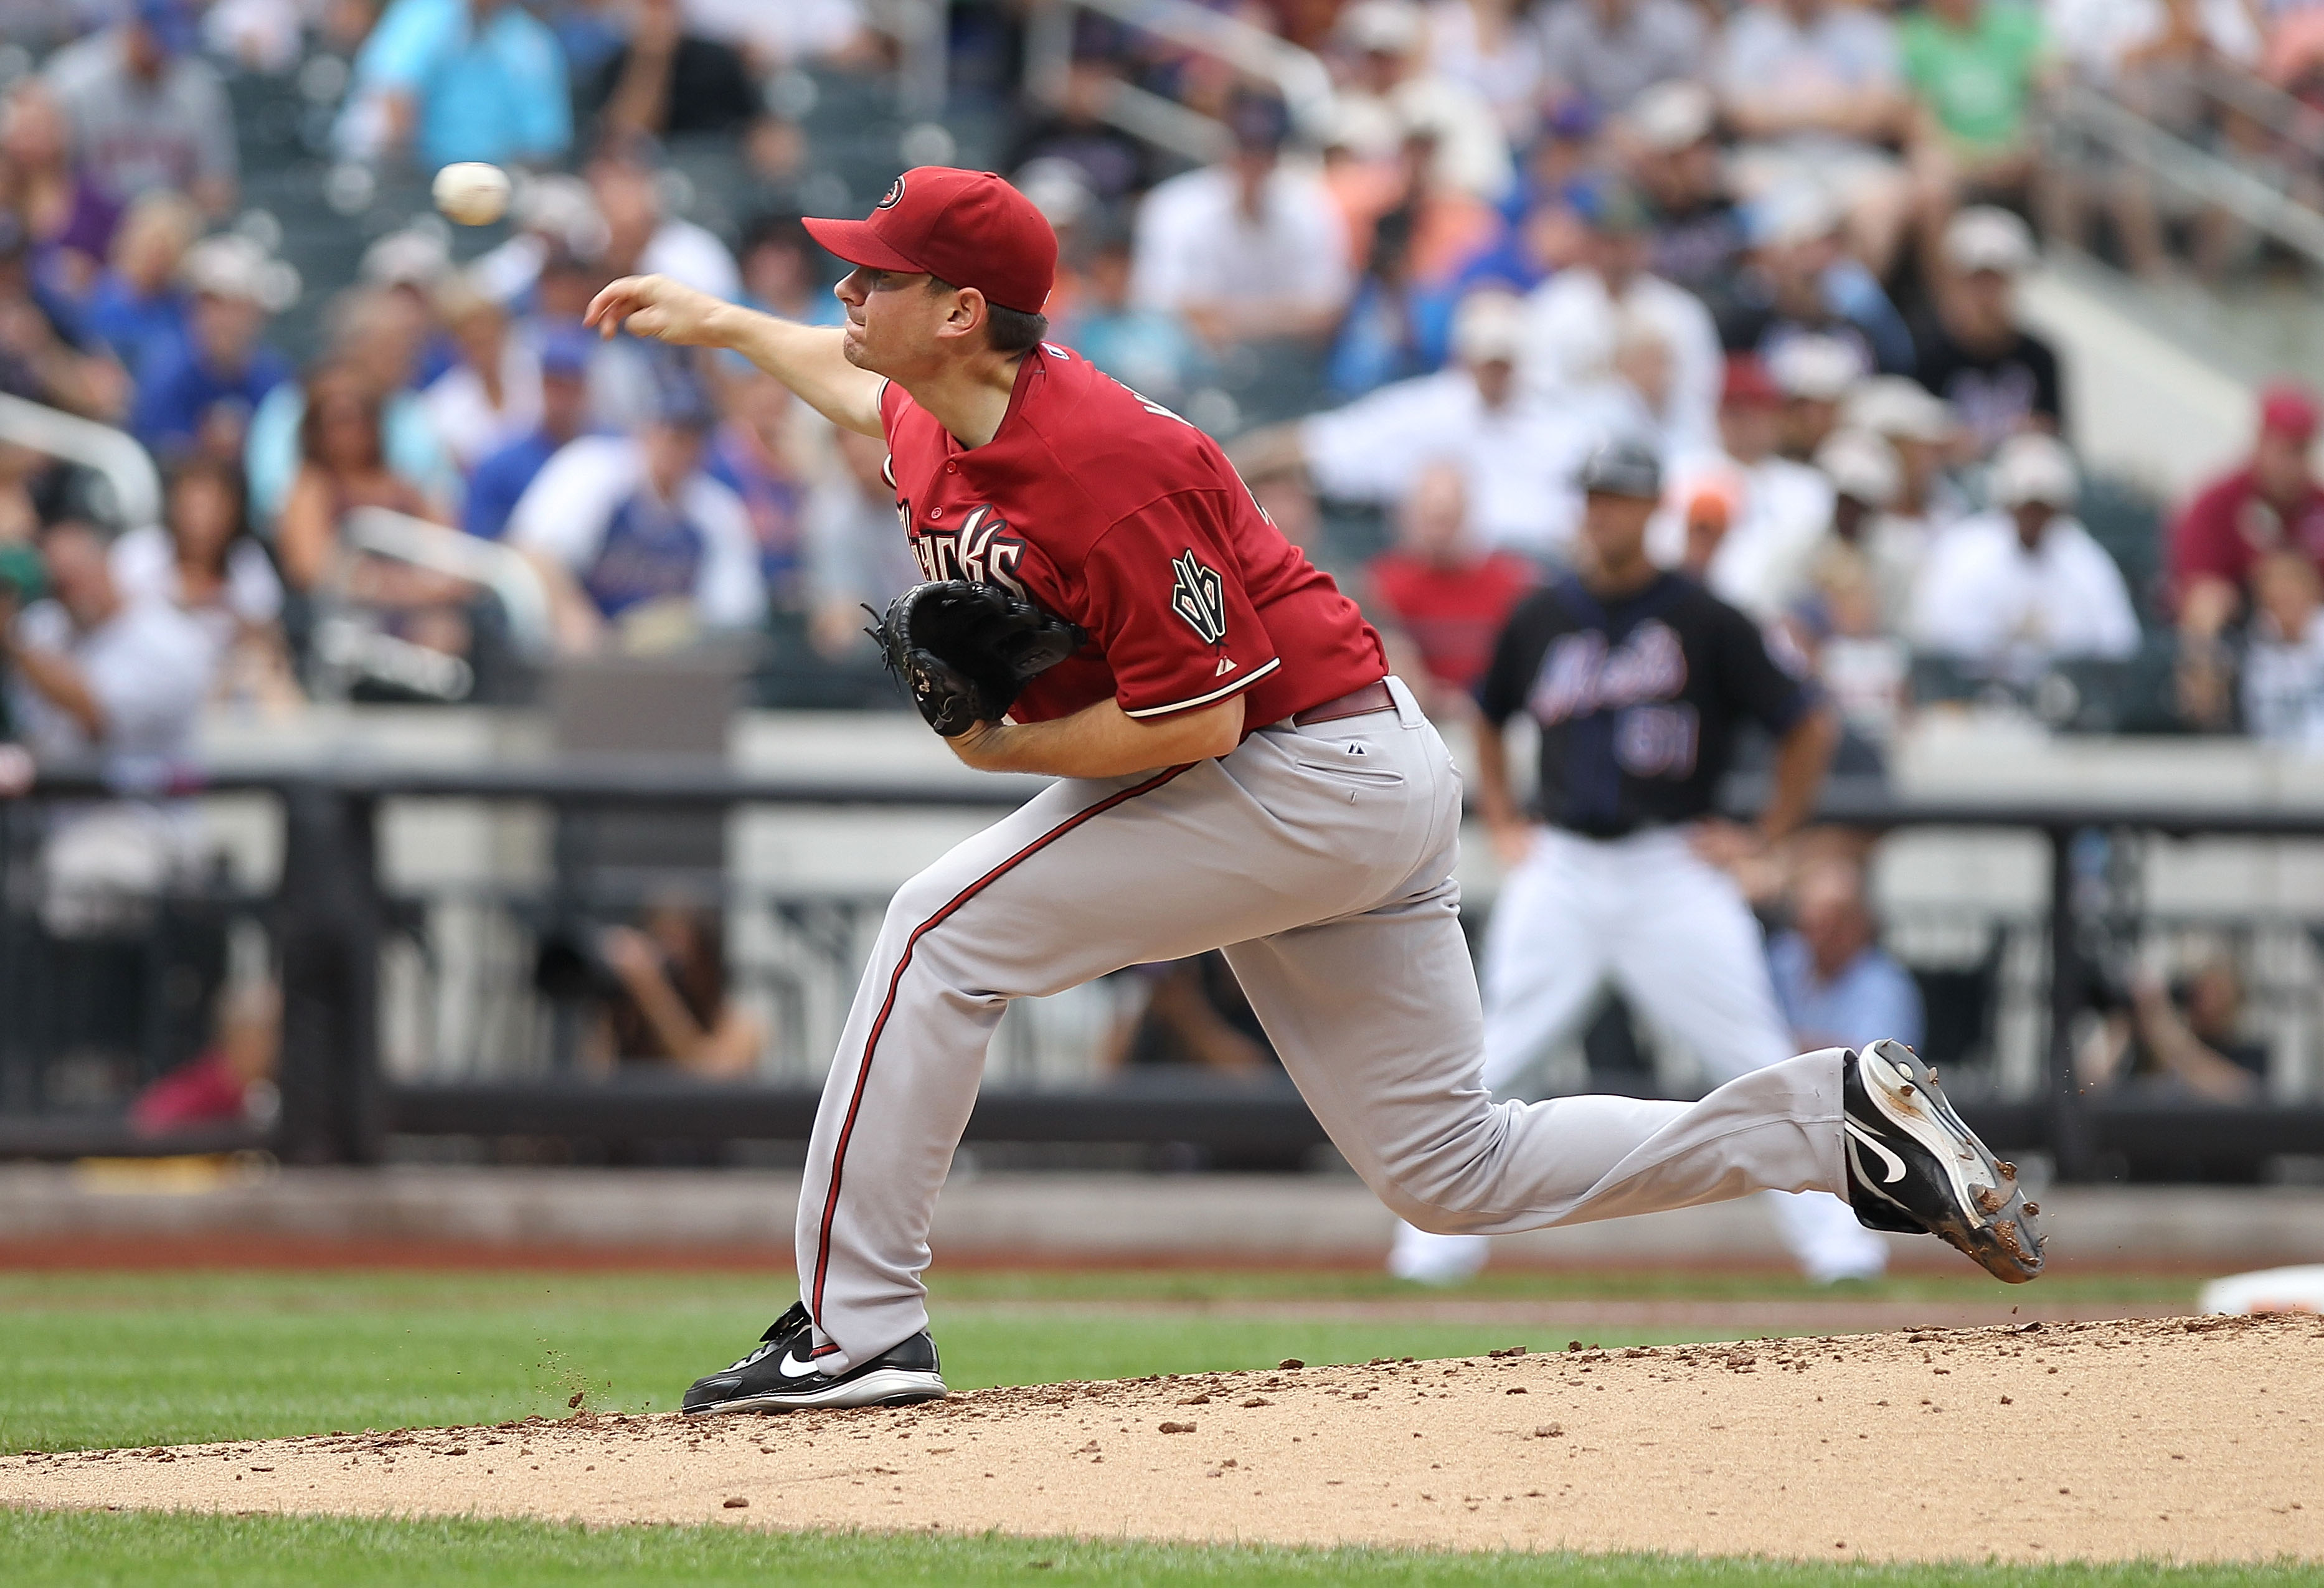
x: 112, y: 1359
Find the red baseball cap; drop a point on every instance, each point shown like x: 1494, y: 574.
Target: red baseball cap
x: 968, y: 228
x: 1747, y: 382
x: 2288, y: 408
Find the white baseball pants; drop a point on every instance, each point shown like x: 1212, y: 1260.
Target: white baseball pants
x: 1321, y: 860
x: 1674, y: 933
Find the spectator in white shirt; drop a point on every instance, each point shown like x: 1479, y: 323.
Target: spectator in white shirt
x: 1741, y: 517
x: 1606, y: 52
x: 1250, y: 250
x: 1815, y: 373
x: 638, y: 544
x: 1920, y: 425
x: 1865, y: 478
x: 491, y: 396
x: 787, y: 32
x: 1389, y: 89
x: 1816, y: 90
x: 1517, y: 451
x: 855, y: 555
x: 2024, y: 584
x: 1574, y: 322
x: 641, y: 240
x: 207, y: 564
x: 1491, y: 47
x: 2283, y: 666
x: 92, y: 671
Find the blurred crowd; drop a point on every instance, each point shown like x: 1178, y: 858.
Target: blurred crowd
x: 1781, y: 240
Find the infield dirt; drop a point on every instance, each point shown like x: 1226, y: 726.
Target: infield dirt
x: 2197, y: 1439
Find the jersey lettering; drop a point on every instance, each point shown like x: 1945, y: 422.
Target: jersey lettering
x: 1580, y: 676
x: 1200, y: 598
x: 982, y: 551
x: 1154, y: 408
x: 1657, y: 740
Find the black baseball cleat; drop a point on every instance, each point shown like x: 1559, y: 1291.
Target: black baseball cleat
x: 1913, y: 1166
x: 782, y: 1376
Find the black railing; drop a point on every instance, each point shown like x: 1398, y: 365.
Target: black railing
x: 330, y: 915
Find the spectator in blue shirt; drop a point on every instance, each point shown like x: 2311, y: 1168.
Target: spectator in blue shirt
x: 200, y: 396
x: 502, y: 478
x: 138, y: 307
x: 1838, y: 987
x: 783, y: 272
x: 1148, y: 349
x: 460, y: 79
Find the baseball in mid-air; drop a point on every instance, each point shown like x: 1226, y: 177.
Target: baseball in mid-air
x: 472, y: 193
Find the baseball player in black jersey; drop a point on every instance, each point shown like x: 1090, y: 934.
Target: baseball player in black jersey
x: 1637, y: 681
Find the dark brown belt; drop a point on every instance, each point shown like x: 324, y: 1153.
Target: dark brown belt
x: 1373, y: 696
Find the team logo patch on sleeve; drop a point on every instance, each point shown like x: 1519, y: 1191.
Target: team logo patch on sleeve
x: 1200, y: 597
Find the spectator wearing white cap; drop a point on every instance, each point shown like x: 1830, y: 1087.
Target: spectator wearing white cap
x: 1573, y: 321
x: 1388, y: 87
x: 1815, y: 90
x: 2015, y: 588
x: 1999, y: 377
x: 1815, y: 373
x: 1866, y: 478
x: 1516, y: 450
x: 1605, y: 53
x: 1773, y: 565
x: 1251, y: 249
x: 198, y: 394
x: 1673, y: 156
x: 1918, y: 425
x: 1799, y: 279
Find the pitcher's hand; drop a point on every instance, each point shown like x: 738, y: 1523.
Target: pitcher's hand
x: 657, y: 307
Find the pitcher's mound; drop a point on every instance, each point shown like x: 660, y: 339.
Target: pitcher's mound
x: 2194, y: 1439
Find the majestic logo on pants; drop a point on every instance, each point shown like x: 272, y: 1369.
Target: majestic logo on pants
x: 1200, y: 597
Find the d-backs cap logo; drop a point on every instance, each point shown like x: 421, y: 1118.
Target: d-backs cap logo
x: 894, y: 196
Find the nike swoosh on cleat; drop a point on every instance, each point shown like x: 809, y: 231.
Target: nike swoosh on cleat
x: 793, y: 1368
x: 1895, y: 1165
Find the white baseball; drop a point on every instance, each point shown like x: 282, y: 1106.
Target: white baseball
x: 472, y: 193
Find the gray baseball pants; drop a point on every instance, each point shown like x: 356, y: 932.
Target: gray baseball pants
x: 1321, y: 860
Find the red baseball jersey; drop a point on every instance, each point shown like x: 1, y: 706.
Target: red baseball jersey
x: 1114, y: 512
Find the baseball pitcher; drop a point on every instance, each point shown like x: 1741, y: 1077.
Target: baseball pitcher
x: 1234, y: 769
